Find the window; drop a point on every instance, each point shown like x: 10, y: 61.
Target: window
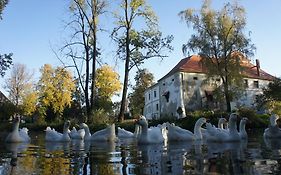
x: 157, y: 107
x: 148, y: 96
x: 246, y: 85
x: 195, y: 78
x: 166, y: 95
x: 154, y: 93
x: 164, y: 84
x: 173, y: 79
x: 256, y: 84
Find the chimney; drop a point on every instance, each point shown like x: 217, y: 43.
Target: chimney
x: 258, y: 67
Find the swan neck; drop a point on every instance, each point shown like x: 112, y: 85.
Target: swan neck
x: 87, y: 131
x: 197, y: 130
x: 16, y: 126
x: 137, y: 130
x: 273, y: 121
x: 242, y: 127
x: 220, y: 125
x: 232, y: 125
x: 65, y: 129
x: 144, y: 130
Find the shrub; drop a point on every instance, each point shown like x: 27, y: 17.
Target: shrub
x: 254, y: 120
x: 100, y: 117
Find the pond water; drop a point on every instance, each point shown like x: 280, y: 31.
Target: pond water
x: 256, y: 156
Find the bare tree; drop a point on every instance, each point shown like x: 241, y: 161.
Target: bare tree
x: 82, y: 48
x: 19, y: 83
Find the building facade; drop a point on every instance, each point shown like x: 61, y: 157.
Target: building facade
x: 184, y: 89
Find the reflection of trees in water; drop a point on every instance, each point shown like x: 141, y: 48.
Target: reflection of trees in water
x: 129, y: 158
x: 227, y: 157
x: 101, y: 158
x: 151, y: 159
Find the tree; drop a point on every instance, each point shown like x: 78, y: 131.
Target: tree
x: 143, y: 79
x: 220, y: 40
x: 271, y: 97
x: 21, y: 89
x: 135, y: 45
x: 5, y: 63
x: 55, y: 87
x: 107, y: 85
x: 3, y: 4
x: 82, y: 48
x: 6, y: 59
x: 107, y: 82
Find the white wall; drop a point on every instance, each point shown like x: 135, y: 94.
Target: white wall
x: 187, y: 92
x: 152, y: 106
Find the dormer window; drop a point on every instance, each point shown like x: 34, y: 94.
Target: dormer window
x: 195, y: 78
x: 256, y: 84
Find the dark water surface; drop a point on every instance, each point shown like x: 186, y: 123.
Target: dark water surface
x: 256, y: 156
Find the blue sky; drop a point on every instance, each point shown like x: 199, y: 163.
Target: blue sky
x: 30, y: 29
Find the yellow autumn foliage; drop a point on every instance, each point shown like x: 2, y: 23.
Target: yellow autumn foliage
x: 107, y: 82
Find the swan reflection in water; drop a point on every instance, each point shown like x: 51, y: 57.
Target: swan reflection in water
x: 151, y: 158
x: 57, y: 146
x: 15, y: 149
x: 272, y: 143
x: 177, y: 156
x: 231, y: 152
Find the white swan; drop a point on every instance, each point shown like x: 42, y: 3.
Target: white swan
x: 151, y: 135
x: 222, y: 123
x: 123, y: 133
x: 176, y: 133
x: 218, y: 135
x: 273, y: 131
x: 18, y: 135
x: 106, y: 134
x: 242, y: 130
x: 78, y: 135
x: 53, y: 136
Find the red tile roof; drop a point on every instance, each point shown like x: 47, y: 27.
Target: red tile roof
x: 192, y: 64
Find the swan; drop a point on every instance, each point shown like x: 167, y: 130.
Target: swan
x: 222, y: 123
x: 123, y: 133
x: 218, y: 135
x: 18, y: 135
x: 106, y: 134
x: 151, y: 135
x: 53, y: 136
x: 164, y: 130
x: 242, y: 130
x: 176, y: 133
x: 74, y: 134
x: 273, y: 131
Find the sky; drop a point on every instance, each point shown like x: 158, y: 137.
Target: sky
x: 33, y: 29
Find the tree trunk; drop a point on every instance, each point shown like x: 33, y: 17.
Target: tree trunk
x: 227, y: 97
x: 127, y: 63
x: 94, y: 53
x: 88, y: 105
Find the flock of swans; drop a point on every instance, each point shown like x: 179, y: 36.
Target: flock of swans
x: 226, y: 131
